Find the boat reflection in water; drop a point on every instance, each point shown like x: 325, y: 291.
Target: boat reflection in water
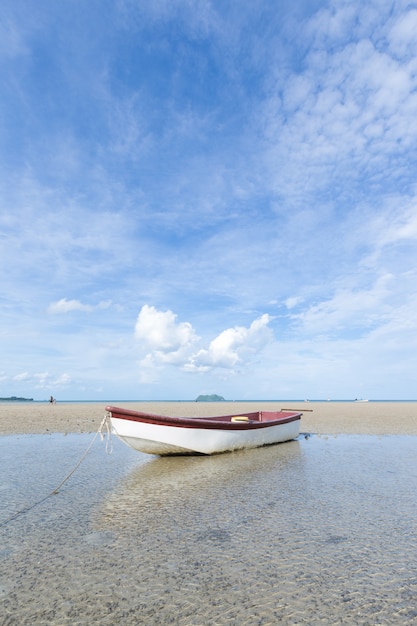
x: 179, y: 482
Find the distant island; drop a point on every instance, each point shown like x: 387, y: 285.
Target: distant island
x: 210, y: 398
x: 16, y: 399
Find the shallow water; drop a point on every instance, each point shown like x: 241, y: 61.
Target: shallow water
x: 316, y: 531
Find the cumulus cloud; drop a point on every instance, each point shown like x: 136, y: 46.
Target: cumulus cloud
x: 175, y: 343
x: 233, y: 345
x: 168, y: 340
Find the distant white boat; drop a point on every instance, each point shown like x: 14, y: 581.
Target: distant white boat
x: 361, y: 400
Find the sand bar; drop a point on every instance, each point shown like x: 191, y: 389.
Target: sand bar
x: 324, y: 418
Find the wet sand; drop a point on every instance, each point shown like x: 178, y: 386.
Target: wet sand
x: 322, y: 418
x: 315, y: 531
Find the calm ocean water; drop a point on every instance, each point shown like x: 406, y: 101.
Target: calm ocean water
x: 316, y: 531
x: 114, y: 402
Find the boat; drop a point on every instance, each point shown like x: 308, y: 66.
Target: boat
x: 162, y: 435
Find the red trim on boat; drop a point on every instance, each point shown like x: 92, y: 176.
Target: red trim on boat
x: 258, y: 419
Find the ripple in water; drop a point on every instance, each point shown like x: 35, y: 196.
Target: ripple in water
x: 315, y: 531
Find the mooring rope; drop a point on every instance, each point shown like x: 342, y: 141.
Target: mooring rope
x: 105, y: 424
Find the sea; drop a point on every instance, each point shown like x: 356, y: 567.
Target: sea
x: 279, y: 400
x: 320, y: 530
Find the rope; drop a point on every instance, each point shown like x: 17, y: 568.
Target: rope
x: 109, y: 449
x: 106, y: 423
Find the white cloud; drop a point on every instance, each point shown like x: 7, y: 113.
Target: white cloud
x: 61, y: 380
x: 350, y: 109
x: 160, y: 330
x: 403, y: 34
x: 399, y: 225
x: 66, y: 306
x: 359, y: 312
x: 169, y: 341
x: 292, y: 302
x: 21, y: 377
x: 40, y: 380
x: 175, y: 343
x: 234, y: 345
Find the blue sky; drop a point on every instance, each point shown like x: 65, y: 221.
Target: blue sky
x: 208, y: 197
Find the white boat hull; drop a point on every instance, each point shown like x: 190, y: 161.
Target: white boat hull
x: 167, y: 440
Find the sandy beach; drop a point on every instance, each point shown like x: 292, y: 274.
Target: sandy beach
x: 323, y: 418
